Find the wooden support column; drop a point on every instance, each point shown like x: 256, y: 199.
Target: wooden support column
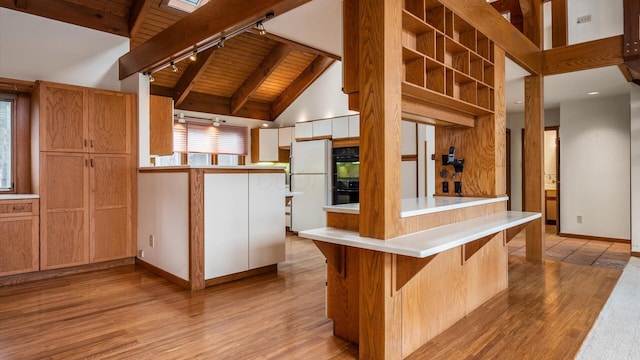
x: 532, y: 21
x: 380, y: 308
x: 559, y: 27
x: 533, y: 162
x: 380, y: 59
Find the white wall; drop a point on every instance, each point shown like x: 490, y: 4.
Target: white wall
x: 594, y: 167
x: 515, y: 122
x: 323, y: 99
x: 35, y: 48
x: 635, y: 167
x: 607, y: 19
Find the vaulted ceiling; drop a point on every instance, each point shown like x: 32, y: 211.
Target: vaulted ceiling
x: 253, y: 76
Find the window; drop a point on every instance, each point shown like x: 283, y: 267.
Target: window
x: 6, y: 144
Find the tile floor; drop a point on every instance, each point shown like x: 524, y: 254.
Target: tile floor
x: 577, y: 251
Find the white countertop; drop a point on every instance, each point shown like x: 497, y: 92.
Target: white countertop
x: 427, y: 242
x: 18, y: 196
x: 423, y: 205
x: 292, y: 193
x: 239, y: 167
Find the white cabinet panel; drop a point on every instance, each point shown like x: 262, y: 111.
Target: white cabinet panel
x: 340, y: 127
x: 304, y: 130
x: 322, y: 128
x: 268, y: 145
x: 266, y: 219
x: 409, y: 179
x: 226, y: 221
x: 354, y: 126
x: 285, y: 137
x: 409, y: 140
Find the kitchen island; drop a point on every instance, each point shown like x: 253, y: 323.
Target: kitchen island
x: 440, y: 273
x: 204, y: 225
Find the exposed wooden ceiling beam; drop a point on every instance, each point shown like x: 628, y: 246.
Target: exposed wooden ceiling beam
x: 137, y: 13
x: 207, y: 22
x: 559, y: 24
x: 480, y: 15
x: 259, y: 75
x: 190, y: 76
x: 299, y: 85
x: 212, y: 104
x: 72, y: 13
x: 532, y: 21
x: 297, y: 46
x: 583, y: 56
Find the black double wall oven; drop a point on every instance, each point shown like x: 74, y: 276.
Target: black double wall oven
x: 346, y: 175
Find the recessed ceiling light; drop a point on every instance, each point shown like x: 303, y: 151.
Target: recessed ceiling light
x: 593, y: 93
x: 265, y: 125
x: 518, y: 102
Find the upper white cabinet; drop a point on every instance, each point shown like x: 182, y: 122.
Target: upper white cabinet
x: 285, y: 137
x: 264, y: 145
x: 322, y: 129
x: 340, y: 128
x: 409, y: 138
x: 304, y: 130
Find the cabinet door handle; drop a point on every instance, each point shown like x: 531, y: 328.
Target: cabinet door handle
x: 18, y: 208
x: 91, y: 144
x: 86, y: 162
x: 85, y: 143
x: 91, y: 162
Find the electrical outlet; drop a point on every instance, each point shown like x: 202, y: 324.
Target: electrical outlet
x: 584, y: 19
x: 579, y: 219
x: 458, y: 187
x: 152, y: 240
x: 445, y: 187
x: 141, y: 254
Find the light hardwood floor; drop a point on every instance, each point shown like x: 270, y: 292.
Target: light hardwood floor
x: 129, y: 313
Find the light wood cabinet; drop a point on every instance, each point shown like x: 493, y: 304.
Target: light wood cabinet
x: 160, y: 125
x: 77, y: 119
x: 264, y: 145
x: 86, y: 182
x: 19, y: 234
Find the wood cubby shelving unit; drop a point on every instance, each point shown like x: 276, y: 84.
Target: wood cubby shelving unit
x: 445, y: 60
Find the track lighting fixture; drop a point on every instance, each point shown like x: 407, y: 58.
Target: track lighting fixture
x: 219, y: 43
x: 151, y: 78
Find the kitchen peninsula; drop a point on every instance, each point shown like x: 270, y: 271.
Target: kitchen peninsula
x: 203, y: 225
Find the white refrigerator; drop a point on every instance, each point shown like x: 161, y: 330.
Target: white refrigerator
x: 311, y: 175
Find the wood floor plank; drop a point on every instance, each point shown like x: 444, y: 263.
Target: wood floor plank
x: 129, y: 313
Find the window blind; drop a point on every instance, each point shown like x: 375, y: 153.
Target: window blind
x: 207, y: 139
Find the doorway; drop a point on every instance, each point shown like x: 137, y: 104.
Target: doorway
x: 551, y: 177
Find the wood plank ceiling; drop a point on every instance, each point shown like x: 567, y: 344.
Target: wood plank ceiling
x: 254, y: 76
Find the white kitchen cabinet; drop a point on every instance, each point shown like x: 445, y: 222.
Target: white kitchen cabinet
x: 340, y: 127
x: 409, y: 138
x: 304, y: 130
x: 266, y: 219
x: 226, y: 224
x: 321, y: 129
x: 285, y: 137
x: 354, y: 126
x: 264, y: 145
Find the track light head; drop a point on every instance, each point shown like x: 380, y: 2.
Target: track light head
x: 151, y: 78
x: 194, y: 55
x: 174, y: 68
x: 261, y: 29
x: 221, y: 43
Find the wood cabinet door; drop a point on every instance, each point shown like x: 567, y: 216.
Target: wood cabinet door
x: 64, y: 215
x: 63, y: 113
x: 160, y: 125
x: 19, y: 244
x: 110, y: 207
x: 110, y: 122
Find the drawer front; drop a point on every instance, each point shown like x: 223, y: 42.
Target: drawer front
x: 9, y: 208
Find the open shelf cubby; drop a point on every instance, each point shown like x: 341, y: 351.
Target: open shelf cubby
x: 446, y: 56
